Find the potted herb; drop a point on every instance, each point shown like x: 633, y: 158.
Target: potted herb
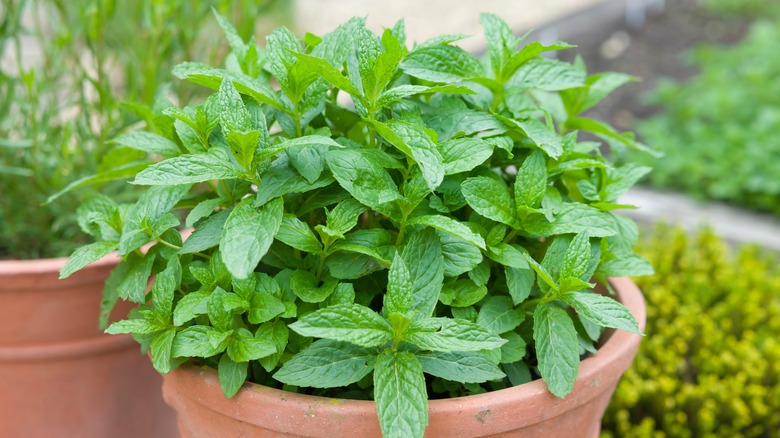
x: 374, y: 222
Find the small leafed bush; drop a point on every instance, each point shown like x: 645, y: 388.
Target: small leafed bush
x: 718, y: 131
x: 709, y: 365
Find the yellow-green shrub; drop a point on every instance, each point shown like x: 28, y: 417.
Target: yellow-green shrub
x: 710, y: 363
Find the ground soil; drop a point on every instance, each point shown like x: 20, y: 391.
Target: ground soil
x: 653, y: 51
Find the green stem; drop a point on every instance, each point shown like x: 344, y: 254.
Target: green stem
x: 168, y: 244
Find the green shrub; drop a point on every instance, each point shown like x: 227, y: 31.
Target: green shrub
x: 709, y: 365
x: 719, y: 130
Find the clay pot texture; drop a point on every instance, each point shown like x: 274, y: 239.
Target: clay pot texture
x: 60, y: 376
x: 528, y: 410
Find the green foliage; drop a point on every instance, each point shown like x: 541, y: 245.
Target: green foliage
x: 742, y: 8
x: 65, y: 68
x: 709, y: 363
x: 718, y: 130
x: 389, y: 236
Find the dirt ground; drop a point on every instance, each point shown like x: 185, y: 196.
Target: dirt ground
x: 651, y: 52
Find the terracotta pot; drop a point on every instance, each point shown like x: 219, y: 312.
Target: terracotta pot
x: 523, y: 411
x: 60, y: 376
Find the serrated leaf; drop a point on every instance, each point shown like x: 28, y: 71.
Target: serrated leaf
x: 217, y: 164
x: 165, y: 284
x: 161, y: 347
x: 297, y: 234
x: 573, y: 218
x: 514, y: 349
x: 362, y: 177
x: 281, y: 178
x: 232, y: 375
x: 450, y: 226
x: 133, y: 285
x: 459, y: 255
x: 541, y: 134
x: 330, y: 74
x: 207, y: 234
x: 441, y: 63
x: 575, y: 262
x: 491, y: 199
x: 85, y: 255
x: 135, y: 326
x: 190, y: 306
x: 466, y: 367
x: 602, y: 310
x: 326, y: 364
x: 519, y: 282
x: 400, y: 288
x: 446, y: 335
x: 414, y: 142
x: 531, y: 181
x: 548, y: 75
x: 211, y: 77
x: 500, y: 41
x: 263, y: 307
x: 395, y: 94
x: 344, y: 216
x: 498, y: 315
x: 345, y: 322
x: 462, y: 293
x: 243, y: 346
x: 464, y: 154
x: 148, y: 142
x: 199, y: 341
x: 277, y: 333
x: 423, y: 256
x: 305, y: 286
x: 203, y: 209
x: 248, y: 233
x: 629, y: 265
x: 557, y: 349
x: 400, y: 395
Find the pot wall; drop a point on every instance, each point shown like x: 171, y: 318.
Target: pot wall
x: 60, y: 376
x: 523, y: 411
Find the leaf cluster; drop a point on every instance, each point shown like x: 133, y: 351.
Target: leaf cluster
x: 365, y: 215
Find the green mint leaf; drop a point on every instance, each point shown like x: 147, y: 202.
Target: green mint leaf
x: 498, y: 315
x: 490, y: 198
x: 199, y: 341
x: 282, y: 178
x: 330, y: 74
x: 297, y: 234
x: 400, y: 92
x: 148, y: 142
x: 220, y: 310
x: 188, y: 169
x: 557, y: 349
x: 248, y: 233
x: 85, y: 255
x: 519, y: 282
x: 602, y: 310
x: 529, y: 52
x: 400, y: 395
x: 572, y: 219
x: 134, y: 326
x: 623, y: 178
x: 277, y: 333
x: 451, y: 226
x: 459, y: 256
x: 344, y: 217
x: 629, y: 265
x: 462, y: 293
x: 190, y: 306
x: 514, y: 349
x: 604, y: 130
x: 413, y: 141
x: 531, y: 182
x: 232, y: 375
x: 234, y: 40
x: 121, y: 172
x: 207, y: 235
x: 447, y: 335
x: 326, y: 364
x: 467, y: 367
x: 305, y: 286
x: 360, y: 249
x: 264, y: 307
x: 575, y: 262
x: 211, y: 77
x: 500, y: 41
x: 517, y: 373
x: 308, y: 160
x: 599, y: 86
x: 345, y: 322
x: 133, y: 285
x: 161, y: 346
x: 423, y: 256
x: 362, y: 177
x: 547, y: 75
x: 203, y: 209
x: 464, y: 154
x: 441, y: 63
x: 233, y: 115
x: 243, y: 346
x: 165, y: 284
x: 541, y: 271
x: 481, y: 273
x: 508, y: 255
x: 400, y: 289
x: 541, y: 134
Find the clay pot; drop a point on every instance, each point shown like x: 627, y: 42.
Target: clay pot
x: 528, y: 410
x: 60, y: 376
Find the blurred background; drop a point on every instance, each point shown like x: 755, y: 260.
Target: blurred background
x: 709, y: 99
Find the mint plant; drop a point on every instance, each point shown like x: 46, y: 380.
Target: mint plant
x: 373, y: 221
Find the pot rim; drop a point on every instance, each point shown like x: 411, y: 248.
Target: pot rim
x: 596, y: 373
